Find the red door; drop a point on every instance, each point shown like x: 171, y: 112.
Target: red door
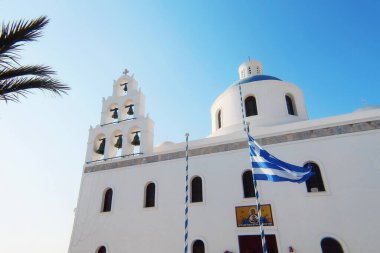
x: 252, y: 244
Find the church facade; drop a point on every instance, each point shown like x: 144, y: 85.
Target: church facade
x: 132, y: 193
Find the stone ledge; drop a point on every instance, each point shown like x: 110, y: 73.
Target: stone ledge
x: 297, y: 136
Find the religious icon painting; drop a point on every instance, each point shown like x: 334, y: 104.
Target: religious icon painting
x: 247, y: 216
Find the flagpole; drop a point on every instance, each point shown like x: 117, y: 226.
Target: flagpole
x: 246, y: 130
x: 186, y: 194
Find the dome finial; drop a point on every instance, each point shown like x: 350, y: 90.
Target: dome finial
x: 126, y: 71
x: 250, y: 68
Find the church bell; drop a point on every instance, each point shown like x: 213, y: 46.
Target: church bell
x: 115, y: 115
x: 130, y: 110
x: 136, y: 139
x: 119, y: 142
x: 125, y: 86
x: 102, y: 144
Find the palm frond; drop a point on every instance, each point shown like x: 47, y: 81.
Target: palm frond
x: 22, y: 80
x: 12, y: 89
x: 14, y: 35
x: 36, y: 70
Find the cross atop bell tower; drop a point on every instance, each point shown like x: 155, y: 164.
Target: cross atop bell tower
x: 124, y: 130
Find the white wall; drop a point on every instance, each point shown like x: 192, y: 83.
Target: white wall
x: 350, y: 166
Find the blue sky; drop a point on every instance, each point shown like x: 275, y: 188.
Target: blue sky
x: 184, y: 54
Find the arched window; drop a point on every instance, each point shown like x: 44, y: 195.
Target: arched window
x: 248, y: 187
x: 198, y: 247
x: 196, y: 190
x: 290, y: 105
x: 219, y: 119
x: 330, y: 245
x: 101, y: 249
x: 150, y: 192
x: 250, y: 106
x: 314, y: 183
x: 249, y: 70
x: 107, y: 201
x: 116, y: 149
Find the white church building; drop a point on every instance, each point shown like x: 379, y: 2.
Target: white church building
x: 132, y: 194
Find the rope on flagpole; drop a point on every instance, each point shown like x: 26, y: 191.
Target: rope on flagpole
x: 242, y: 108
x: 187, y: 194
x: 246, y: 129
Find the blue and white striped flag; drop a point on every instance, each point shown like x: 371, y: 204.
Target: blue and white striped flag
x: 269, y: 168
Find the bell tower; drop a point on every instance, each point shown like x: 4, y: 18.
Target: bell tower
x: 124, y: 130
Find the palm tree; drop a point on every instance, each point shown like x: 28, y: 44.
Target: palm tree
x: 15, y: 79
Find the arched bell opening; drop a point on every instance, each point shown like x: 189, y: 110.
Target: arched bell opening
x: 134, y: 139
x: 123, y: 87
x: 99, y: 147
x: 116, y: 144
x: 113, y: 114
x: 129, y: 110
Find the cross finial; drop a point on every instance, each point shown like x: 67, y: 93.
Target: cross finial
x: 126, y: 71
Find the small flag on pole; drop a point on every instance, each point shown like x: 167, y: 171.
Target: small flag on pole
x: 269, y: 168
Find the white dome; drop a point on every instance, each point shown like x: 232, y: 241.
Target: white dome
x: 274, y: 101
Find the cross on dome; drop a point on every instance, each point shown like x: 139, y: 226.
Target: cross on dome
x: 126, y: 71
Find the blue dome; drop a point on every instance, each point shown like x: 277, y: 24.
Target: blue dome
x: 257, y: 78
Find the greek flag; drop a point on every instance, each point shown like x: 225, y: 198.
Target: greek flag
x: 269, y: 168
